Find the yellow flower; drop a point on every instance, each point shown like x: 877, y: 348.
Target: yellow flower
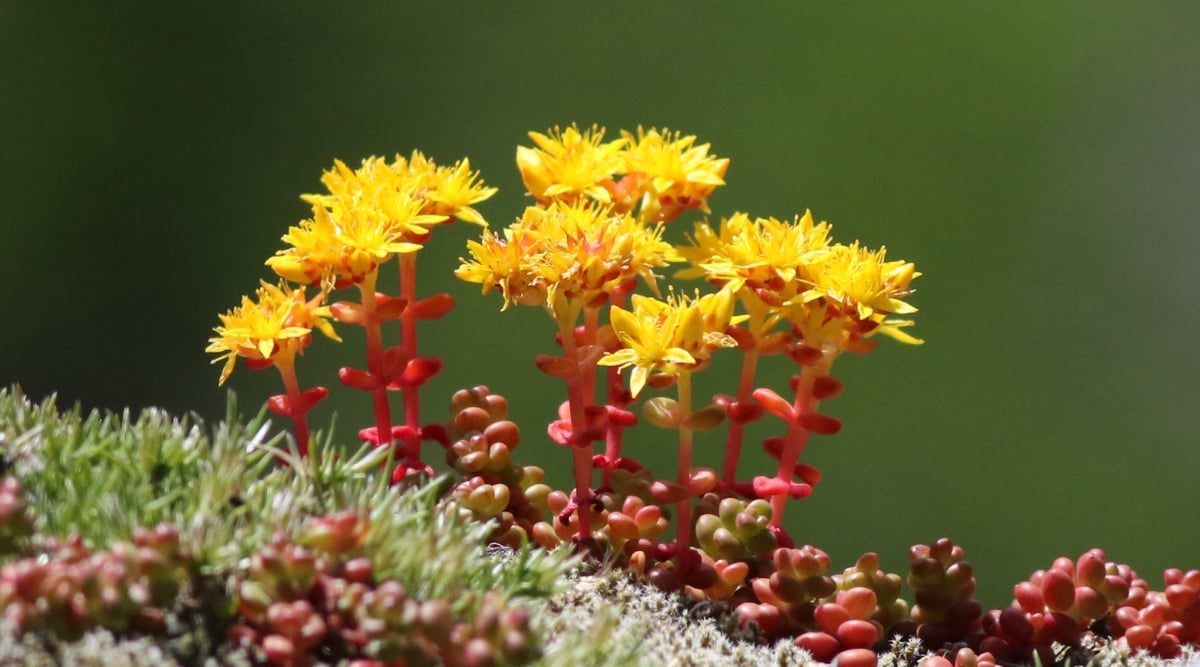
x: 281, y: 319
x: 773, y: 258
x: 570, y: 165
x: 372, y: 213
x: 663, y: 337
x: 678, y: 174
x: 564, y: 254
x: 444, y: 191
x: 858, y: 285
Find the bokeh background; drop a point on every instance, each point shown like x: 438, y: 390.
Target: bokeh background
x: 1039, y: 162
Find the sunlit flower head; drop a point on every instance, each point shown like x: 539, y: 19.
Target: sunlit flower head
x: 678, y: 175
x: 860, y: 286
x: 372, y: 213
x: 279, y: 320
x: 570, y: 165
x: 771, y: 257
x: 578, y: 253
x: 662, y: 337
x: 446, y: 191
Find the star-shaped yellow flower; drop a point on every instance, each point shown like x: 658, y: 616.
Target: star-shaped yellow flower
x: 661, y: 337
x: 278, y: 319
x: 578, y: 253
x: 570, y: 165
x: 772, y: 257
x: 678, y: 174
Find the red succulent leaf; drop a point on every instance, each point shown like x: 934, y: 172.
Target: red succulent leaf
x: 280, y: 405
x: 310, y: 397
x: 259, y: 364
x: 803, y: 354
x: 825, y: 387
x: 359, y: 379
x: 820, y: 424
x: 619, y: 417
x: 774, y: 403
x: 807, y: 473
x: 418, y: 371
x: 437, y: 433
x: 556, y: 366
x: 348, y: 312
x: 388, y: 308
x: 433, y: 307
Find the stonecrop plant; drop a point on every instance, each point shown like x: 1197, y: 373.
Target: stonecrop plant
x: 589, y: 250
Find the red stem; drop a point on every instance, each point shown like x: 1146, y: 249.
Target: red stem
x: 581, y: 451
x: 383, y: 410
x: 683, y: 529
x: 285, y: 361
x: 737, y: 429
x: 797, y: 435
x: 408, y: 332
x: 613, y: 432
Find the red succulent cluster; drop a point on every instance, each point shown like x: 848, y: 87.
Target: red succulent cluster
x: 298, y: 603
x: 479, y: 442
x: 1160, y: 621
x: 946, y: 611
x: 1057, y: 605
x: 69, y: 589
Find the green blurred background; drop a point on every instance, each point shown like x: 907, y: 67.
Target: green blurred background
x: 1038, y: 161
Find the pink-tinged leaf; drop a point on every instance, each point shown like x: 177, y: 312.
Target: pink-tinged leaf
x: 702, y: 480
x: 825, y: 387
x: 769, y: 487
x: 559, y: 431
x: 556, y: 366
x: 669, y: 492
x: 389, y: 308
x: 744, y: 412
x: 1029, y: 597
x: 663, y: 412
x: 820, y: 424
x: 774, y: 403
x: 359, y: 379
x: 348, y: 312
x: 857, y: 634
x: 1058, y: 590
x: 370, y: 435
x: 823, y: 646
x: 1090, y: 570
x: 619, y: 417
x: 433, y: 307
x: 706, y: 419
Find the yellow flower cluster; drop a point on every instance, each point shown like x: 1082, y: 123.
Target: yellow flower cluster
x: 368, y: 215
x: 278, y: 319
x: 833, y: 294
x: 663, y: 172
x: 565, y: 255
x: 662, y: 337
x: 374, y: 212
